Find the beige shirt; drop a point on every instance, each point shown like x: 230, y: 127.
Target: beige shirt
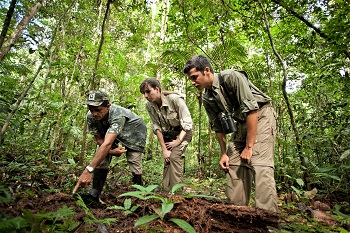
x: 173, y: 112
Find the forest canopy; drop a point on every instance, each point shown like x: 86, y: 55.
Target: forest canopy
x: 54, y: 52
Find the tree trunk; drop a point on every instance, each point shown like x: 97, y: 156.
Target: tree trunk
x: 83, y: 145
x: 199, y: 152
x: 164, y: 24
x: 290, y: 111
x: 94, y: 82
x: 19, y: 29
x: 7, y: 22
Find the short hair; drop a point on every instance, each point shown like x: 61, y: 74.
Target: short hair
x: 152, y: 82
x: 199, y: 62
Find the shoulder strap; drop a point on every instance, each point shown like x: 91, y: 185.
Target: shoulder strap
x: 222, y: 83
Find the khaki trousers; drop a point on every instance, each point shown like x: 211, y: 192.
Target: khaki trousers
x: 261, y: 169
x: 173, y: 171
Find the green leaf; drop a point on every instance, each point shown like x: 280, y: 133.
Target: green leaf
x: 166, y: 208
x: 297, y: 191
x: 154, y: 197
x: 116, y: 207
x: 300, y: 182
x: 139, y: 187
x: 134, y: 208
x: 136, y: 194
x: 71, y: 161
x: 327, y: 175
x: 146, y: 219
x: 176, y: 187
x: 127, y: 203
x: 344, y: 155
x: 183, y: 224
x: 15, y: 223
x: 151, y: 188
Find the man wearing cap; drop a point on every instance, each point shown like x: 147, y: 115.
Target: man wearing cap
x: 112, y: 124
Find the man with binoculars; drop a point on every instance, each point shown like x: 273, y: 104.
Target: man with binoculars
x: 228, y: 96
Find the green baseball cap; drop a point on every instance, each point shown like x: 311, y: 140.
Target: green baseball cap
x: 96, y: 97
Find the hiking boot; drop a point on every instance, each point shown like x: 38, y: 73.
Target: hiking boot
x: 137, y: 179
x: 98, y: 181
x: 89, y: 200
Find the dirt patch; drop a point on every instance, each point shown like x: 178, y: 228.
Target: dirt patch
x: 205, y: 215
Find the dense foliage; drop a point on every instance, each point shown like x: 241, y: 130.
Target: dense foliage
x: 71, y: 46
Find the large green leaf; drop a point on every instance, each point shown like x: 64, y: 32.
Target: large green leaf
x: 146, y: 219
x: 166, y: 208
x: 183, y: 224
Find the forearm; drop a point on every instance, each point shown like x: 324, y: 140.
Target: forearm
x: 181, y: 136
x: 222, y: 142
x: 224, y: 161
x: 100, y: 154
x: 105, y: 144
x: 252, y: 125
x: 161, y: 140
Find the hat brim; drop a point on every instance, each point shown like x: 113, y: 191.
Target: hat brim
x: 93, y: 103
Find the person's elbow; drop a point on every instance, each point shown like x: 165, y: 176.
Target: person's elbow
x: 107, y: 145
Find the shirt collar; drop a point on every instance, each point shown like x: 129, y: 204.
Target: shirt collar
x: 216, y: 83
x: 215, y: 86
x: 165, y: 102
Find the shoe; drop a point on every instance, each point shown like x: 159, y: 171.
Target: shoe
x: 89, y: 200
x: 137, y: 179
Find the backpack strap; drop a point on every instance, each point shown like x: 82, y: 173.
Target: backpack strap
x: 222, y: 83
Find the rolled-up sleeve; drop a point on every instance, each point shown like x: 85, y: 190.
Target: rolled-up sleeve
x: 184, y: 115
x: 117, y: 125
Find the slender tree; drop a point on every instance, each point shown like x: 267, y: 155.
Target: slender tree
x: 7, y: 22
x: 19, y: 29
x: 94, y: 82
x: 285, y: 95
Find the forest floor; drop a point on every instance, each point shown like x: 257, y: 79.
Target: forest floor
x: 61, y: 212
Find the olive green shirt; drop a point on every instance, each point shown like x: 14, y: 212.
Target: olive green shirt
x: 172, y: 113
x: 242, y: 97
x: 131, y: 130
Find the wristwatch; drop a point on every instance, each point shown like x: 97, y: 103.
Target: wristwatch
x: 90, y: 169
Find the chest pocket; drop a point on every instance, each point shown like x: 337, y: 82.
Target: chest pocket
x: 173, y: 118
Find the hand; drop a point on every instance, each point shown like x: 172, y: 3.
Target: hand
x: 84, y: 180
x: 247, y: 154
x: 166, y: 155
x: 117, y: 151
x: 224, y: 163
x: 172, y: 144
